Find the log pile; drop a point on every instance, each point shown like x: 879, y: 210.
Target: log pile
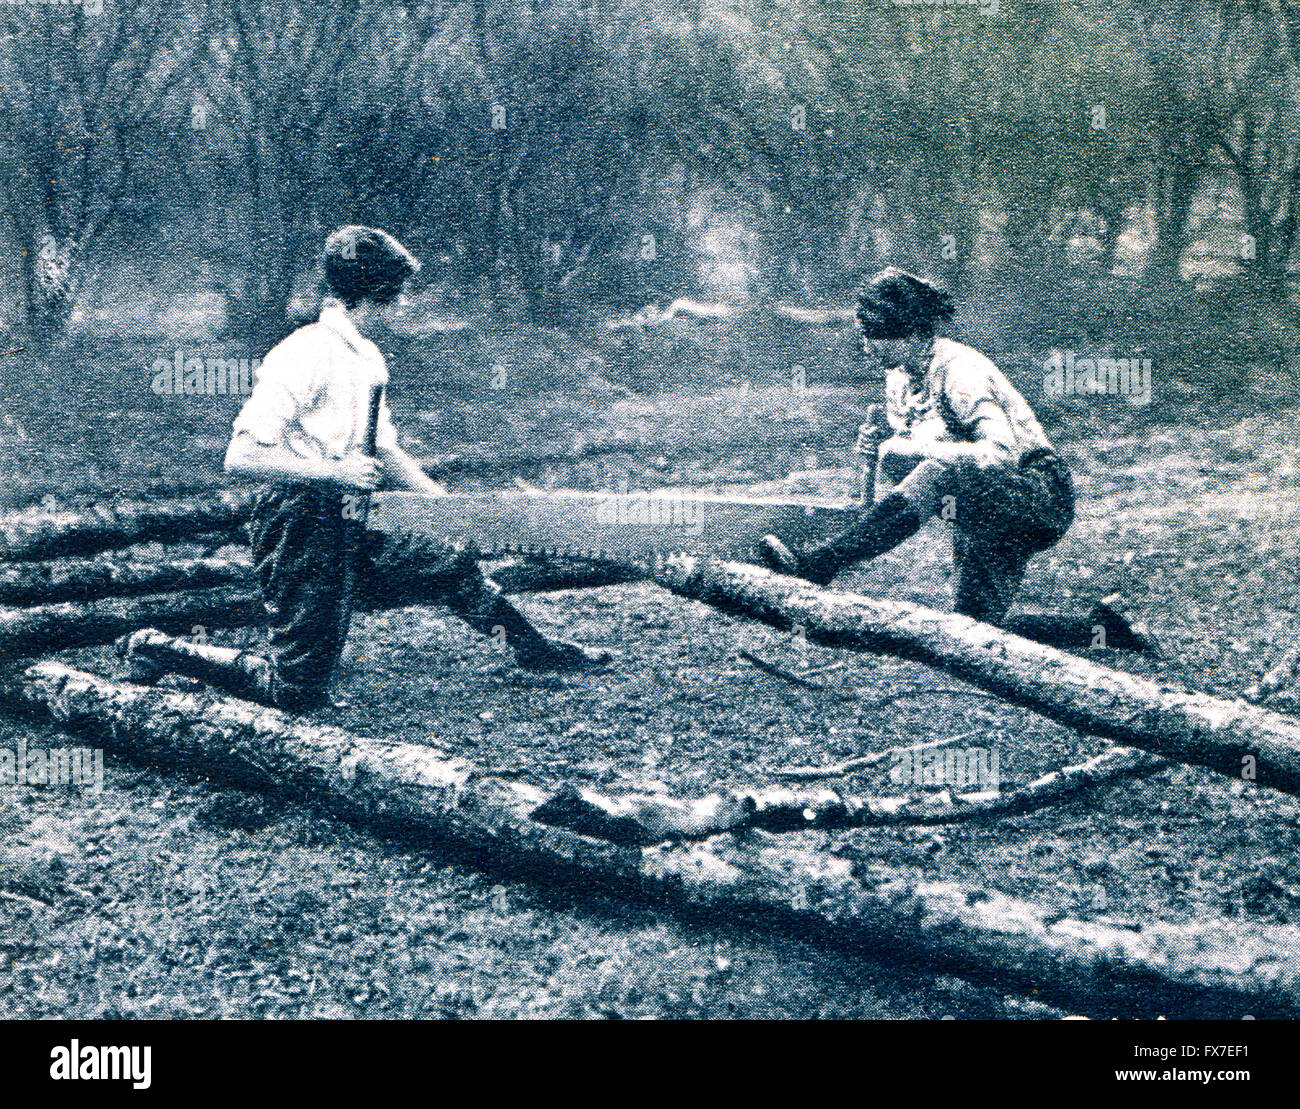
x: 429, y: 797
x: 757, y: 853
x: 87, y: 592
x: 43, y: 533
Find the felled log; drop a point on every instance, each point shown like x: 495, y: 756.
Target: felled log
x: 42, y: 533
x: 780, y: 810
x: 87, y: 579
x: 399, y: 580
x: 653, y: 818
x: 46, y: 628
x: 429, y: 797
x: 1232, y: 737
x: 536, y: 575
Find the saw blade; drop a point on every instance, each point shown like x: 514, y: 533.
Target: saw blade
x: 621, y: 527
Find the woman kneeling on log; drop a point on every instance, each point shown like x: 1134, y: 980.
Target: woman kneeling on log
x: 317, y: 430
x: 961, y: 443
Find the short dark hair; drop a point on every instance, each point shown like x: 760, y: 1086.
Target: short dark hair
x: 895, y: 304
x: 364, y: 263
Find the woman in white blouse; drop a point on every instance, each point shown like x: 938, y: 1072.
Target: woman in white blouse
x: 961, y: 443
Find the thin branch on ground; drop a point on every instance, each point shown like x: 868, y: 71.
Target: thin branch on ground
x: 839, y: 770
x: 926, y: 691
x: 787, y: 675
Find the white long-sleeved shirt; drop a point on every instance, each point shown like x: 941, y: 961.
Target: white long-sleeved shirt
x: 312, y: 393
x: 964, y: 399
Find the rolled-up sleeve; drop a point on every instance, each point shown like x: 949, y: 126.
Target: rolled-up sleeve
x: 385, y: 431
x: 895, y: 394
x: 286, y: 384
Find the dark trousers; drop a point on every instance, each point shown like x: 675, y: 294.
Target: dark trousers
x: 313, y: 559
x: 1005, y: 515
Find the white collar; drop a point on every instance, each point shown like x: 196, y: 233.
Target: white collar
x: 334, y: 315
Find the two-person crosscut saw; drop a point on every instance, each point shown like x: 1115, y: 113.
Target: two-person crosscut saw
x: 638, y: 528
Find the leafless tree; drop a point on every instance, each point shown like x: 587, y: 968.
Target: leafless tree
x: 83, y: 98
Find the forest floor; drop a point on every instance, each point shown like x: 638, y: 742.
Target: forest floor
x: 163, y: 896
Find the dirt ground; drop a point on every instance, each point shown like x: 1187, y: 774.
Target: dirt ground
x: 166, y: 897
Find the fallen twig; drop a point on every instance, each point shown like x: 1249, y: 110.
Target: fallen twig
x: 838, y: 770
x: 926, y: 691
x: 782, y: 673
x: 24, y: 899
x: 783, y: 810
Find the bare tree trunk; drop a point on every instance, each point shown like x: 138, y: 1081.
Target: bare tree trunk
x: 15, y: 312
x: 38, y: 533
x: 44, y: 583
x: 48, y: 628
x: 421, y: 795
x: 1178, y: 181
x: 397, y: 582
x: 1232, y: 737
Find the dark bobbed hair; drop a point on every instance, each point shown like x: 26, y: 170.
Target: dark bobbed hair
x: 895, y: 304
x: 364, y: 263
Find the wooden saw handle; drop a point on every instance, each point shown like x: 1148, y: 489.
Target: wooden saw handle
x: 371, y: 445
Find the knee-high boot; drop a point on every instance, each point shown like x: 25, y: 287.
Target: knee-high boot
x: 153, y: 653
x: 480, y: 603
x: 1102, y: 627
x: 882, y: 529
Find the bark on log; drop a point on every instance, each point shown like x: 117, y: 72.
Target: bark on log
x: 644, y: 819
x: 59, y: 626
x: 48, y: 628
x: 780, y: 810
x: 88, y: 579
x: 1232, y: 737
x: 535, y: 575
x: 38, y: 533
x: 790, y: 882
